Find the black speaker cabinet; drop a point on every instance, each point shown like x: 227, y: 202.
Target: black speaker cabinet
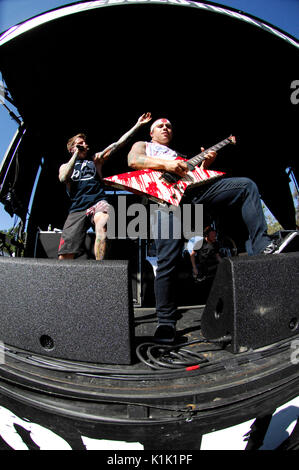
x: 75, y: 310
x: 255, y: 300
x: 46, y: 246
x: 133, y: 252
x: 47, y: 243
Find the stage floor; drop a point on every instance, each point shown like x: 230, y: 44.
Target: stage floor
x: 189, y: 336
x: 188, y: 323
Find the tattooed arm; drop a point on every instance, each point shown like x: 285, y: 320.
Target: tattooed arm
x: 138, y: 160
x: 100, y: 157
x: 66, y: 170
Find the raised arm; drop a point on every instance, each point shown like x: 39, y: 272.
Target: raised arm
x: 100, y: 157
x: 138, y: 160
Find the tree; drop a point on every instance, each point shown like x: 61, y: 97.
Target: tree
x: 273, y: 224
x: 10, y: 244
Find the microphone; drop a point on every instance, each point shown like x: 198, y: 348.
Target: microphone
x: 80, y: 147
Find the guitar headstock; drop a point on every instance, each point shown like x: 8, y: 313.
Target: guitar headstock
x: 233, y: 139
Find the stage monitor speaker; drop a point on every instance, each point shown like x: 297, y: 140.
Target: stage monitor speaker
x: 130, y: 250
x: 47, y: 243
x: 74, y: 310
x: 255, y: 300
x: 46, y: 246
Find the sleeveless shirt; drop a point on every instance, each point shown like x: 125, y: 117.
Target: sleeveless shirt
x: 158, y: 150
x: 86, y: 188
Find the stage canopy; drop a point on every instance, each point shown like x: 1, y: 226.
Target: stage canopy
x: 96, y: 66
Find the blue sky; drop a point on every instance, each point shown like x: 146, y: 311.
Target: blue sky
x: 283, y: 14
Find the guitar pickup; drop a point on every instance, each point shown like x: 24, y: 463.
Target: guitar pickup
x: 190, y: 166
x: 169, y: 177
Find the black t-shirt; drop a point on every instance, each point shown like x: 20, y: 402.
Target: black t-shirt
x: 86, y: 188
x: 208, y: 252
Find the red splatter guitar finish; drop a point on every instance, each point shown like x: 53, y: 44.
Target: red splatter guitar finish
x: 165, y: 187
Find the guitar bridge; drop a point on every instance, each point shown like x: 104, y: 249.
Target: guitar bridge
x: 178, y: 189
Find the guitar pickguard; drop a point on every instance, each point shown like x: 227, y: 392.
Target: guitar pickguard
x: 150, y: 183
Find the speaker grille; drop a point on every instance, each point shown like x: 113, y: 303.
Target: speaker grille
x: 77, y: 310
x: 254, y: 299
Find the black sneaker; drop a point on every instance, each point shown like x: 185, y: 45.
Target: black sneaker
x: 270, y: 249
x: 165, y: 334
x: 278, y: 246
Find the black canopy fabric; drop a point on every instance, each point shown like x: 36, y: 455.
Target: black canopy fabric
x: 97, y: 67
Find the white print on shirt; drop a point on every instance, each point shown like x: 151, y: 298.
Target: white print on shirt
x: 86, y: 171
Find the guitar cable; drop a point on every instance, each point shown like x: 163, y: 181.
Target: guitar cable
x: 157, y: 356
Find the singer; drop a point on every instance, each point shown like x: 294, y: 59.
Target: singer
x: 88, y: 201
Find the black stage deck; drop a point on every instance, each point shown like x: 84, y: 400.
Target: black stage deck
x: 168, y: 406
x: 188, y: 323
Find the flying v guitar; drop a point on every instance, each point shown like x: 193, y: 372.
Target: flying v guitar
x: 165, y: 187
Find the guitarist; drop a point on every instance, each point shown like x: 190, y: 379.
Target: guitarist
x: 222, y: 193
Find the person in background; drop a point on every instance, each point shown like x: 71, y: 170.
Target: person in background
x: 205, y: 260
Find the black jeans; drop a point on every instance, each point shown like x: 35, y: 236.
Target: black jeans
x: 221, y: 194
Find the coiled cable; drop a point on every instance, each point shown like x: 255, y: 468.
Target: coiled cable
x: 159, y: 356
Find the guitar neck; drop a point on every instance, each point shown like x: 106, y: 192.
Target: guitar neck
x: 202, y: 156
x: 198, y: 159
